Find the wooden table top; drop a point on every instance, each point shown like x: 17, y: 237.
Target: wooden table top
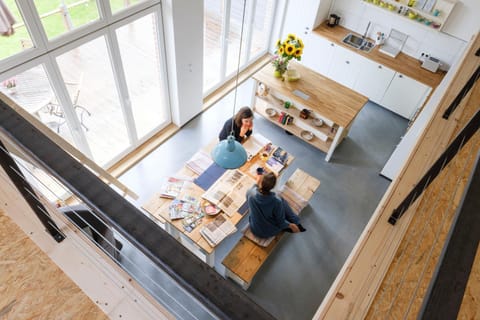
x: 403, y: 63
x: 158, y: 207
x: 326, y: 97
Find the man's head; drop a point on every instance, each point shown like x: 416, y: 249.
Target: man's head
x: 267, y: 183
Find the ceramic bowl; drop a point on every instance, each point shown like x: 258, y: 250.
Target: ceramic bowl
x: 271, y: 112
x: 209, y: 208
x: 317, y: 122
x: 307, y: 135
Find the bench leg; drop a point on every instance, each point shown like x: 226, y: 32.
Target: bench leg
x: 245, y: 285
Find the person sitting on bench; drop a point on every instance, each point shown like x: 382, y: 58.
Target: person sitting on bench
x: 269, y: 213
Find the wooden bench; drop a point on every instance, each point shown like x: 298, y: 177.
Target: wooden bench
x: 246, y: 258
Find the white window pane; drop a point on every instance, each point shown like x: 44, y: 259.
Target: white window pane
x: 262, y: 24
x: 233, y: 37
x: 104, y: 125
x: 61, y: 16
x: 141, y: 62
x: 212, y: 42
x: 32, y: 91
x: 14, y: 35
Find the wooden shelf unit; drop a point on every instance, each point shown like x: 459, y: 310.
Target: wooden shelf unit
x: 335, y: 104
x: 262, y: 104
x: 444, y: 8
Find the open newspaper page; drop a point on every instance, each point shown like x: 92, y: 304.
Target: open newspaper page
x: 217, y: 230
x: 199, y: 162
x: 254, y: 144
x: 228, y: 192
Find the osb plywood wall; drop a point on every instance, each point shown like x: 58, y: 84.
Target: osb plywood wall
x: 32, y: 286
x: 403, y: 289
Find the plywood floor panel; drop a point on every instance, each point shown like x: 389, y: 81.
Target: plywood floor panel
x: 32, y: 286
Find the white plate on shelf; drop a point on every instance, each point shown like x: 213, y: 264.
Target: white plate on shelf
x: 271, y: 112
x: 317, y: 122
x: 307, y: 135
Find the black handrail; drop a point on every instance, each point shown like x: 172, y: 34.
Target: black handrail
x: 462, y: 138
x: 473, y: 79
x: 219, y: 295
x: 16, y: 176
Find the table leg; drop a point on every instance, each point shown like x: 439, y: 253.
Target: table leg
x: 335, y: 142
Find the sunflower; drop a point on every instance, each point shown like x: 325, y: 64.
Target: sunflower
x: 298, y: 53
x: 279, y: 43
x: 291, y: 36
x: 281, y: 50
x: 289, y: 49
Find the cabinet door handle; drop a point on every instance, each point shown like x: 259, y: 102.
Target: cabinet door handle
x: 379, y: 67
x: 347, y: 62
x: 400, y: 76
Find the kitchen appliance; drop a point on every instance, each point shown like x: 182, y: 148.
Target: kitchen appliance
x: 333, y: 20
x: 394, y: 43
x: 431, y: 64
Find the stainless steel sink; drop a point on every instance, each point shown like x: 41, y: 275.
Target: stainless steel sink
x: 358, y: 42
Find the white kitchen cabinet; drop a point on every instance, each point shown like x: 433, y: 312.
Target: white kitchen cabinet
x: 373, y: 80
x: 319, y: 55
x: 404, y: 95
x: 302, y: 18
x: 345, y: 66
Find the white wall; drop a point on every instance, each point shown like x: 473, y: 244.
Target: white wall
x: 355, y: 15
x: 183, y: 23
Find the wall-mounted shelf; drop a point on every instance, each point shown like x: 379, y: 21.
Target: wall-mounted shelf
x: 433, y: 18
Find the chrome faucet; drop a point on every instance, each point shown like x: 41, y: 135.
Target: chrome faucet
x: 366, y: 30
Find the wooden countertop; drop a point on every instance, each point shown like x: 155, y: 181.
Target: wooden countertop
x: 327, y: 97
x: 403, y: 63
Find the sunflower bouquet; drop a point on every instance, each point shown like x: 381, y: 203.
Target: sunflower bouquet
x: 290, y: 48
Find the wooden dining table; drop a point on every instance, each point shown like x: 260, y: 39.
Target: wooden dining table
x: 157, y: 208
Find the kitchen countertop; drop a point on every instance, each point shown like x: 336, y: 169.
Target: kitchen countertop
x: 403, y: 63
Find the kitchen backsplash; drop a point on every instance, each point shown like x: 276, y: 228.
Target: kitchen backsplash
x: 355, y: 15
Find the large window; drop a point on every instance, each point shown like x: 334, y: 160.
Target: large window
x: 61, y: 16
x: 222, y: 30
x: 99, y: 86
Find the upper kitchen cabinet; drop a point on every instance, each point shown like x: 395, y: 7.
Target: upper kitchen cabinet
x: 302, y: 17
x: 429, y: 13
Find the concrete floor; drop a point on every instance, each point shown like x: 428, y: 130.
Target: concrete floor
x: 296, y: 277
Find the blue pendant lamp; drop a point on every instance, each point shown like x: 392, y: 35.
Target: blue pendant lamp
x: 229, y: 153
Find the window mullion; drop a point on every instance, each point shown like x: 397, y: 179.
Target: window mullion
x: 33, y: 25
x: 224, y: 39
x: 64, y: 99
x: 121, y: 83
x: 249, y: 32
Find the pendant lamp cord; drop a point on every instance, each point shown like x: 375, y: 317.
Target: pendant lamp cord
x: 238, y: 64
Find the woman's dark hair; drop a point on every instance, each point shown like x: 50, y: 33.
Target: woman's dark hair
x: 268, y: 182
x: 243, y: 113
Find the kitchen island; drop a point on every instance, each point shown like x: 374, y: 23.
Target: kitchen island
x: 326, y: 100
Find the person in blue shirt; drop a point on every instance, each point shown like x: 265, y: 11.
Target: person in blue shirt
x: 269, y: 213
x: 242, y: 125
